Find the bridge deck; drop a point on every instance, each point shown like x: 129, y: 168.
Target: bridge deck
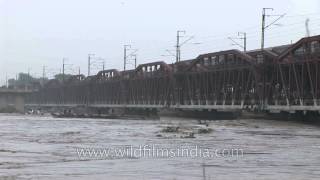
x: 272, y: 109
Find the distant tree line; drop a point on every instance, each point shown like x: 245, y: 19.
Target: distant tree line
x: 26, y: 81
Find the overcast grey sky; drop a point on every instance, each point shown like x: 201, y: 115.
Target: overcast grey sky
x: 34, y: 33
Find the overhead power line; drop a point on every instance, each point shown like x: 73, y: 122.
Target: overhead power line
x: 264, y: 26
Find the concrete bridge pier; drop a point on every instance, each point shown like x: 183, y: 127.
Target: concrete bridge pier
x: 19, y: 103
x: 12, y: 100
x: 3, y: 102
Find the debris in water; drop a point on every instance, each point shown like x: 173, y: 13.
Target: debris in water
x: 170, y: 129
x: 205, y: 130
x: 190, y: 135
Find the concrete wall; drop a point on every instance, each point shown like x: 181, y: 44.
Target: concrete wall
x: 12, y: 100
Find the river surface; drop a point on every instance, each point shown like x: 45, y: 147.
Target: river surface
x: 39, y: 147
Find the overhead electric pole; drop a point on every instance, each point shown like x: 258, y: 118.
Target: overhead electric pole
x: 307, y: 27
x: 89, y: 63
x: 178, y: 52
x: 29, y: 76
x: 264, y: 26
x: 135, y: 60
x: 63, y: 64
x: 6, y: 80
x: 244, y: 38
x: 125, y: 56
x: 102, y: 62
x: 43, y: 74
x: 29, y: 71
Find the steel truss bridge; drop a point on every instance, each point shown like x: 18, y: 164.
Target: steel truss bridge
x: 284, y: 78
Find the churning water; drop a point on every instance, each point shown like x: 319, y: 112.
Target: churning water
x: 38, y: 147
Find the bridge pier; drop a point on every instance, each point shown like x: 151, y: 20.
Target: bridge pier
x: 12, y: 100
x: 3, y: 102
x: 19, y: 103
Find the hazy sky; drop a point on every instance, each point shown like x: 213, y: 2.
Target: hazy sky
x: 34, y: 33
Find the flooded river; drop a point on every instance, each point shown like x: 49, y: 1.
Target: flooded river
x: 37, y: 147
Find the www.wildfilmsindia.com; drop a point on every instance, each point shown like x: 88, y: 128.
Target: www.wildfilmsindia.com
x: 152, y: 151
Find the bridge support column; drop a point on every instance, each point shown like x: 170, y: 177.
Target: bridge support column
x: 11, y: 101
x: 19, y: 103
x: 3, y: 102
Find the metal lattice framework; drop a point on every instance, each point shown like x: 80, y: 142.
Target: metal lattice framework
x: 284, y: 78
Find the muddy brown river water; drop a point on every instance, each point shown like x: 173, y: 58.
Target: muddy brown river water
x: 39, y: 147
